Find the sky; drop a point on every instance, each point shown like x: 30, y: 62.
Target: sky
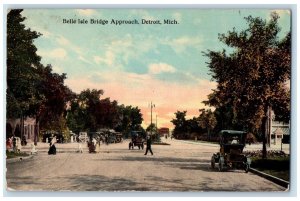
x: 137, y: 64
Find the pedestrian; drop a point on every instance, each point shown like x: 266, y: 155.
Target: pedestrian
x: 9, y: 143
x: 97, y: 146
x: 148, y: 145
x: 14, y: 140
x: 52, y: 148
x: 33, y: 150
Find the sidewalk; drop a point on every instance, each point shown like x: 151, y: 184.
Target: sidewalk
x: 252, y: 147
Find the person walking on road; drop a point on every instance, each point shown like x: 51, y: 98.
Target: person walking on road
x: 148, y: 145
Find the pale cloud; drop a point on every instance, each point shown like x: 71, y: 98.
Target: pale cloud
x: 282, y: 12
x: 58, y: 53
x: 121, y: 51
x: 57, y: 69
x: 186, y: 41
x: 81, y: 58
x: 44, y: 32
x: 181, y: 43
x: 108, y: 59
x: 62, y: 40
x: 177, y: 16
x: 197, y: 21
x: 143, y: 14
x: 161, y: 68
x: 86, y: 12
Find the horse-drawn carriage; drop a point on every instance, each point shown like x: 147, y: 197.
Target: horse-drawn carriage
x: 137, y: 140
x: 231, y: 155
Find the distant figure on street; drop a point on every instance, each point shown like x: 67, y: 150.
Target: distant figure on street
x: 14, y: 141
x: 18, y: 145
x: 33, y: 150
x: 80, y: 150
x: 148, y: 145
x: 52, y: 148
x: 24, y: 141
x: 97, y: 146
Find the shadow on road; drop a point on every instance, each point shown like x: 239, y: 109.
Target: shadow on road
x: 100, y: 183
x: 182, y: 163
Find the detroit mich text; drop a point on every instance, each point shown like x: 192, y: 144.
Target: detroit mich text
x: 119, y: 22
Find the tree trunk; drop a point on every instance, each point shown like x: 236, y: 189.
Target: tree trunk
x: 208, y: 134
x: 264, y: 132
x: 22, y: 125
x: 36, y: 131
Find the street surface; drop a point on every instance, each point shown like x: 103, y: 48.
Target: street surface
x: 180, y: 166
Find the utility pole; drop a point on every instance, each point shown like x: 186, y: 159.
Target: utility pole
x: 156, y: 123
x: 152, y: 106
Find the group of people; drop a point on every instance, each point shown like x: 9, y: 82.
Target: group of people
x: 13, y: 143
x: 94, y: 146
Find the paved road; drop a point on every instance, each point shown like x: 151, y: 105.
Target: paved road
x: 178, y: 167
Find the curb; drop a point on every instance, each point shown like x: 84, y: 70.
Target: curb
x: 276, y: 180
x: 16, y: 159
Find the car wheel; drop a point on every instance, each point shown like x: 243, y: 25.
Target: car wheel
x: 221, y: 164
x: 247, y: 167
x: 212, y: 162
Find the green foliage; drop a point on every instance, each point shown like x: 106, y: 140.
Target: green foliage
x: 180, y: 124
x: 252, y: 78
x: 151, y: 127
x: 90, y: 113
x: 56, y: 96
x: 207, y: 120
x: 32, y: 89
x: 22, y: 63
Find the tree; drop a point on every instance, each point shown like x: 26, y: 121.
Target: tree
x: 56, y: 94
x: 84, y: 113
x: 107, y: 113
x: 251, y: 78
x: 207, y: 120
x: 130, y: 118
x: 90, y: 113
x: 22, y: 62
x: 180, y: 124
x: 151, y: 127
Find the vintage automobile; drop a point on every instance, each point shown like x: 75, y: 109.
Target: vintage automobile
x: 231, y: 155
x: 137, y: 140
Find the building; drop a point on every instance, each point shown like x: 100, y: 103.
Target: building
x: 14, y: 128
x: 279, y: 132
x: 163, y: 131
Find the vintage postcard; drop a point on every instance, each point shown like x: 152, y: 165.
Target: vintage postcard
x: 148, y: 100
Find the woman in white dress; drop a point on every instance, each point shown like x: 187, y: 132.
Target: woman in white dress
x: 97, y: 146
